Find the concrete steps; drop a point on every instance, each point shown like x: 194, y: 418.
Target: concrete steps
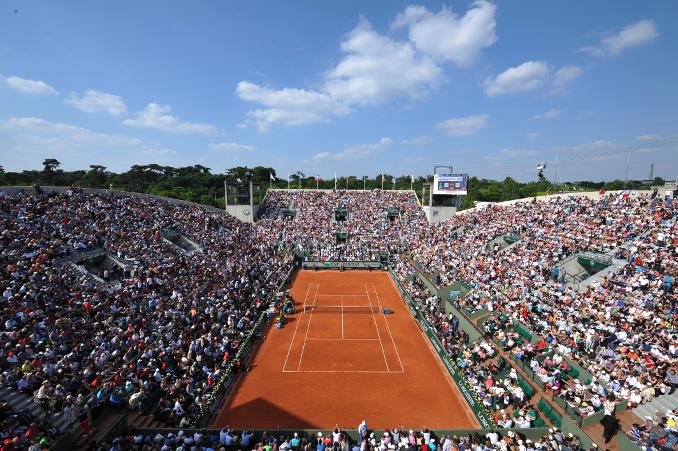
x: 659, y: 404
x: 20, y: 401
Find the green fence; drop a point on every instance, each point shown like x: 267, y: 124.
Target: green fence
x: 341, y: 265
x: 464, y: 324
x: 626, y: 444
x: 525, y: 332
x: 484, y: 417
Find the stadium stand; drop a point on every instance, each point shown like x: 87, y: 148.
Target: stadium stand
x: 115, y: 303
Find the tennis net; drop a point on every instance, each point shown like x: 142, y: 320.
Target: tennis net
x: 310, y: 308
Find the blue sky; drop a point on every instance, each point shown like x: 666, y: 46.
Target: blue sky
x: 349, y: 87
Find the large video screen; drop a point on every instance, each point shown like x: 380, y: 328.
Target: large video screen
x: 452, y: 184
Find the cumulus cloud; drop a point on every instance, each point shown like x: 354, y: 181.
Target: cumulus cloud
x: 38, y: 130
x: 463, y: 126
x: 633, y: 35
x: 447, y: 36
x: 92, y: 101
x: 376, y: 69
x: 288, y: 106
x: 232, y: 147
x: 156, y: 117
x: 29, y: 138
x: 355, y: 151
x: 592, y: 147
x: 28, y: 86
x: 526, y: 77
x: 418, y: 140
x: 647, y: 137
x: 564, y: 76
x: 550, y: 114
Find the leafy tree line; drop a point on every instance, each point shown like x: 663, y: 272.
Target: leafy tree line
x: 198, y: 184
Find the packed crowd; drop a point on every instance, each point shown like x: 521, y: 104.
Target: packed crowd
x: 338, y: 440
x: 164, y: 334
x: 365, y: 233
x: 496, y: 385
x: 619, y: 329
x: 658, y: 432
x: 170, y: 326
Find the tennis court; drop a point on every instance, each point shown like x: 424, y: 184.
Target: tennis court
x: 341, y: 357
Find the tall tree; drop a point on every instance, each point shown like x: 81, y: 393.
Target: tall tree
x: 50, y: 166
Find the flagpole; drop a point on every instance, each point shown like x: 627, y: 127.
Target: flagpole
x: 382, y: 182
x: 288, y: 180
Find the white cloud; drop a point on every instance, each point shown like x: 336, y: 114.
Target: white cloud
x: 647, y: 137
x: 28, y: 140
x: 418, y: 140
x: 28, y: 86
x: 377, y: 69
x: 74, y: 132
x: 288, y: 106
x: 463, y: 126
x: 633, y: 35
x: 232, y: 147
x: 93, y: 101
x: 592, y: 147
x: 564, y: 76
x: 355, y: 151
x: 374, y: 69
x: 447, y: 36
x: 519, y: 153
x: 550, y: 114
x: 526, y: 77
x: 533, y: 135
x: 155, y: 116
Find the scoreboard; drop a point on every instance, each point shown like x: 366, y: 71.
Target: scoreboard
x: 450, y: 184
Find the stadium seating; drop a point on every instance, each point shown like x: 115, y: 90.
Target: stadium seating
x: 155, y: 325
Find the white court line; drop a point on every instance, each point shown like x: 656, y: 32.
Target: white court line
x: 308, y: 326
x: 295, y: 329
x: 344, y: 295
x: 389, y: 329
x: 342, y: 317
x: 340, y: 306
x: 343, y: 371
x: 377, y: 327
x: 342, y: 339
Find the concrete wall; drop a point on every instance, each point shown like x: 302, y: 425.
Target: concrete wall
x: 245, y: 213
x: 436, y: 215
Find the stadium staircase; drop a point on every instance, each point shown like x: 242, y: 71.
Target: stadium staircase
x: 659, y: 404
x: 20, y: 401
x: 552, y: 417
x: 551, y: 412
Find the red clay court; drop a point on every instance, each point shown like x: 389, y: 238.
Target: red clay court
x: 340, y: 359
